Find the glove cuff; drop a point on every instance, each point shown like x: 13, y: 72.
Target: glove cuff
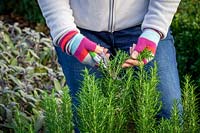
x: 73, y: 45
x: 65, y: 39
x: 151, y: 35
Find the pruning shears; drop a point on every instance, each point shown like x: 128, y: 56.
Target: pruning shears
x: 100, y: 58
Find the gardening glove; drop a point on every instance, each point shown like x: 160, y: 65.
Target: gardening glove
x: 148, y: 40
x: 79, y: 46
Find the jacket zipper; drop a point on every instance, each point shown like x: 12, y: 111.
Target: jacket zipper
x: 111, y: 17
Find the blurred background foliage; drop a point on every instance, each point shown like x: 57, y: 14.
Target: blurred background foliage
x: 186, y: 30
x: 27, y: 8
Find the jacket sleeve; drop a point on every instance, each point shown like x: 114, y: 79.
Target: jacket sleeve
x: 58, y: 16
x: 160, y: 14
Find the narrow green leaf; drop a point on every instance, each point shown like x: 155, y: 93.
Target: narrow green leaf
x: 33, y: 54
x: 13, y: 62
x: 39, y: 123
x: 16, y: 81
x: 8, y: 40
x: 57, y: 84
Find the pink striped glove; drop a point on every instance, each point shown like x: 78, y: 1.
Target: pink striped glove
x: 79, y: 46
x: 148, y: 39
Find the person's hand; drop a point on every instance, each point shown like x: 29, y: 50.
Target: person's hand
x: 148, y: 40
x: 79, y: 46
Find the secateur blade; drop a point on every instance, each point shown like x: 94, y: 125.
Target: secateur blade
x: 104, y: 59
x: 100, y: 58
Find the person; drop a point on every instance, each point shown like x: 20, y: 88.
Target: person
x: 79, y: 27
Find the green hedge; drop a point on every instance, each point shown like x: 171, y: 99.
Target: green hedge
x: 186, y: 30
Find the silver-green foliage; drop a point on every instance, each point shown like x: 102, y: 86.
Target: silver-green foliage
x: 28, y: 66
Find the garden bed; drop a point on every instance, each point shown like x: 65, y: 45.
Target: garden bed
x: 33, y: 97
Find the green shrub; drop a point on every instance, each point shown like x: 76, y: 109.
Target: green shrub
x: 126, y: 98
x: 186, y: 30
x: 26, y: 8
x: 146, y: 100
x: 186, y: 27
x: 190, y: 104
x: 56, y: 116
x: 58, y: 112
x: 21, y: 123
x: 28, y: 68
x: 105, y: 103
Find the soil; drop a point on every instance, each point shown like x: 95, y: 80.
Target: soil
x: 13, y: 18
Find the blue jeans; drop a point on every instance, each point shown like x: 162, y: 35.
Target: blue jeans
x: 165, y: 57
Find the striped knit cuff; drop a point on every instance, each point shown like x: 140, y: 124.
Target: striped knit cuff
x: 65, y: 39
x: 74, y: 43
x: 151, y: 35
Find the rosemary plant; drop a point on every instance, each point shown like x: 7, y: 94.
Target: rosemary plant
x: 58, y: 114
x: 176, y: 119
x: 51, y: 113
x: 188, y: 122
x: 22, y: 124
x: 164, y: 126
x: 190, y: 107
x: 66, y: 111
x: 92, y: 110
x: 146, y: 100
x: 116, y: 102
x: 117, y: 87
x: 172, y: 125
x: 107, y: 98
